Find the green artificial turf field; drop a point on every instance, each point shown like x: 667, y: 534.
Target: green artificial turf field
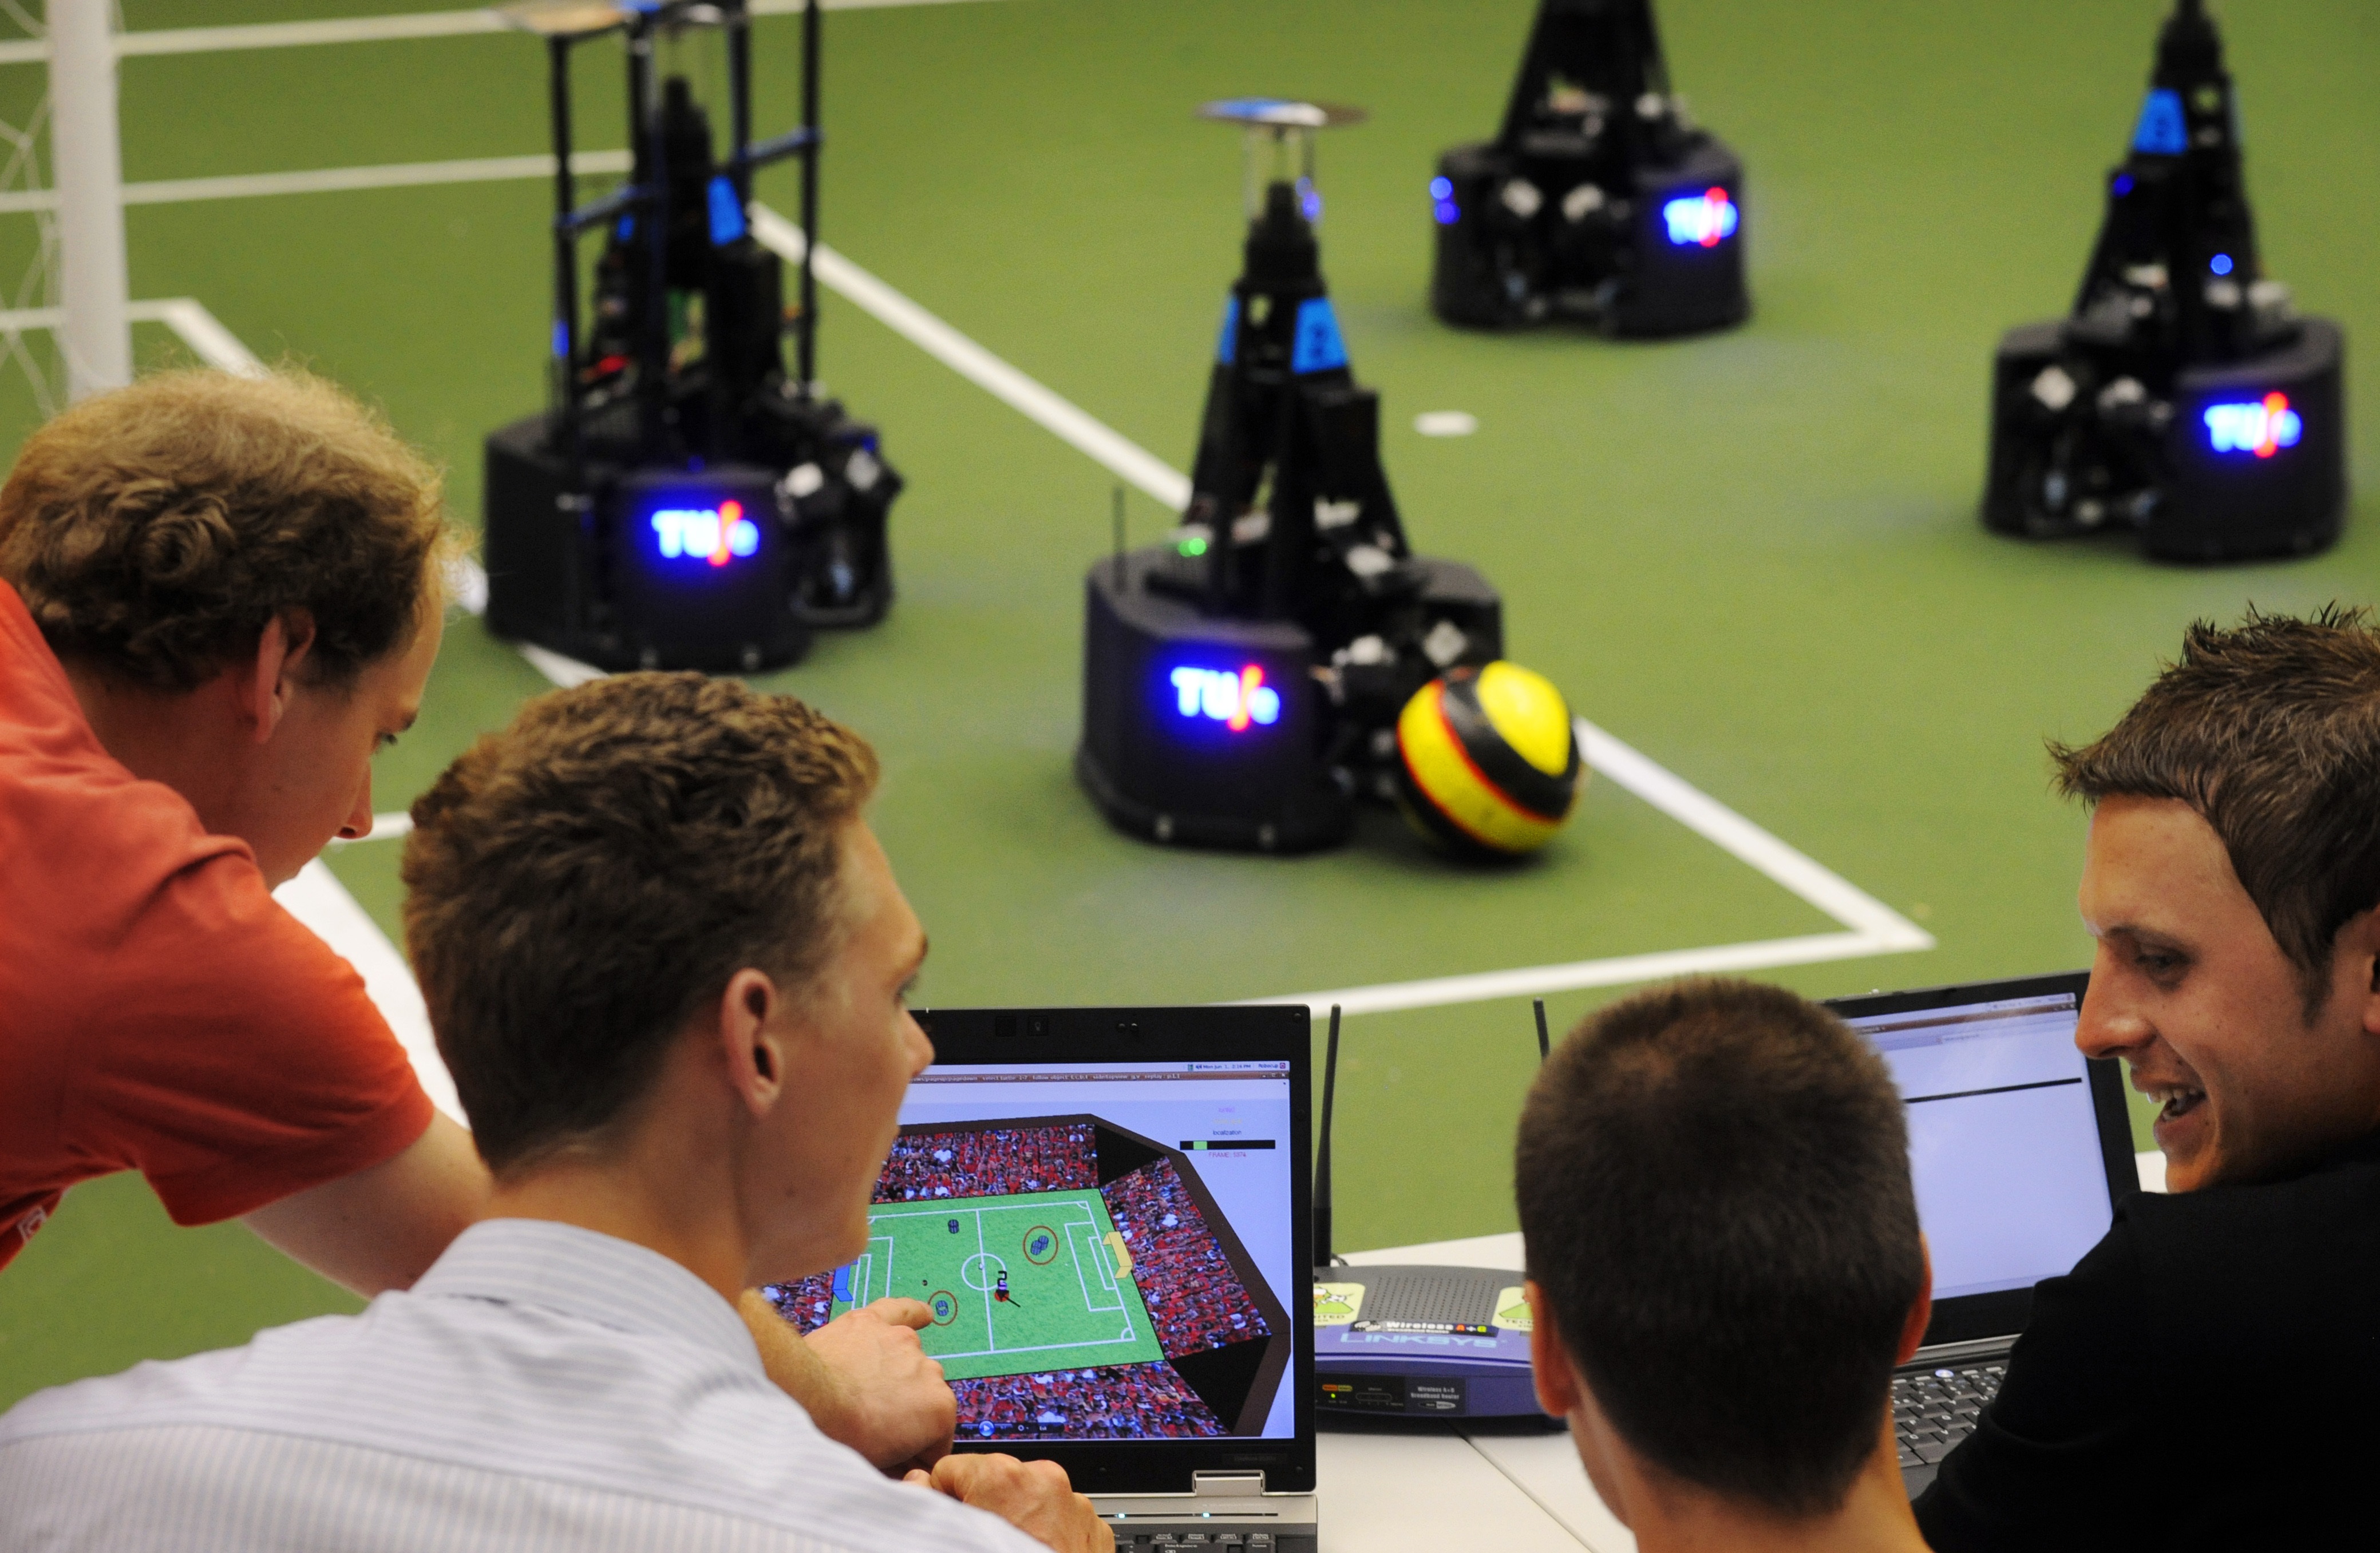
x: 1751, y: 557
x: 1016, y: 1283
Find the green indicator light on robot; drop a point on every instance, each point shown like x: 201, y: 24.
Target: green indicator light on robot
x: 1193, y: 547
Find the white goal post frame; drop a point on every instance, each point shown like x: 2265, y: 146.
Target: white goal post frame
x: 95, y: 331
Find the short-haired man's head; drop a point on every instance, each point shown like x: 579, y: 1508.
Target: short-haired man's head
x: 1713, y: 1180
x: 2271, y: 731
x: 583, y: 883
x: 154, y: 532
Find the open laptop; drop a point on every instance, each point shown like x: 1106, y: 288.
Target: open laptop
x: 2020, y: 1149
x: 1109, y: 1213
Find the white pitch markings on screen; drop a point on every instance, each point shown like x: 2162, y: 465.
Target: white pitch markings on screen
x: 1105, y: 1266
x: 1042, y: 1348
x: 1074, y: 1254
x: 990, y: 1335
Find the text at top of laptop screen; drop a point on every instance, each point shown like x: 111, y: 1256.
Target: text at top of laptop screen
x: 2003, y: 1138
x: 1106, y: 1248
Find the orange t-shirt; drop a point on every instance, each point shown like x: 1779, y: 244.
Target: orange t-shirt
x: 159, y: 1010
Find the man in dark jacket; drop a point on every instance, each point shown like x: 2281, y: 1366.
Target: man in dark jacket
x: 2202, y: 1377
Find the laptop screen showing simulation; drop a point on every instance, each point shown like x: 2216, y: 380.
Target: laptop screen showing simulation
x: 1107, y: 1249
x: 2005, y: 1145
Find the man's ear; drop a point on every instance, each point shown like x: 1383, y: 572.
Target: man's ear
x: 1549, y: 1369
x: 2360, y: 937
x: 269, y: 683
x: 1912, y: 1325
x: 1563, y: 1392
x: 752, y: 1041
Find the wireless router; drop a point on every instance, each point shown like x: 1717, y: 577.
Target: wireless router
x: 1410, y: 1342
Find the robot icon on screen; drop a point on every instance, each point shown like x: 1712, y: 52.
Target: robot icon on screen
x: 1000, y: 1290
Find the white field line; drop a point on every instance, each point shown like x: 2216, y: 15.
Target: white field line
x: 317, y: 898
x: 200, y: 330
x: 334, y: 180
x: 1872, y: 928
x: 563, y: 670
x: 393, y: 826
x: 355, y: 29
x: 1067, y: 421
x: 1535, y: 981
x: 220, y: 348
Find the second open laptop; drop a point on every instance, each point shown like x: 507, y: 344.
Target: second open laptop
x: 2020, y: 1148
x: 1108, y: 1213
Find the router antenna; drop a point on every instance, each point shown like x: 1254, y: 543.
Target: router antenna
x: 1322, y: 1255
x: 1545, y: 1042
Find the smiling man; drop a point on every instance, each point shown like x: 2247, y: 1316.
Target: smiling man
x: 2202, y: 1378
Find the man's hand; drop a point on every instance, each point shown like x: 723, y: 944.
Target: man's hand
x: 1033, y: 1496
x: 863, y: 1377
x: 898, y: 1409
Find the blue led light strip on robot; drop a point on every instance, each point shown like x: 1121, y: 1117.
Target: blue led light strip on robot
x: 2161, y: 131
x: 1228, y: 345
x: 727, y: 212
x: 1318, y: 346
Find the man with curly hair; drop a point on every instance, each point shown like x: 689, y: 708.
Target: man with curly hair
x: 218, y: 597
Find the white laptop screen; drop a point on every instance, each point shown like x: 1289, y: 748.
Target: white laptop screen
x: 2003, y: 1139
x: 1106, y: 1248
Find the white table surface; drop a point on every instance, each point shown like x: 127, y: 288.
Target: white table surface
x: 1441, y: 1490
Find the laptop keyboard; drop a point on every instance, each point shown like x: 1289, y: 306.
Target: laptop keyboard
x: 1933, y: 1411
x: 1212, y: 1542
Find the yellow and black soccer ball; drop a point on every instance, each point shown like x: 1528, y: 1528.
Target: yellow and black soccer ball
x: 1488, y: 763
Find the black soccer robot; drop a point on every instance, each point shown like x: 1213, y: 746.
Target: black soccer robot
x: 1598, y: 200
x: 683, y: 503
x: 2184, y: 396
x: 1243, y: 681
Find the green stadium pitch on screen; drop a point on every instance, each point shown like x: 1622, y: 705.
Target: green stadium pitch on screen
x: 1032, y: 1282
x: 1082, y: 1283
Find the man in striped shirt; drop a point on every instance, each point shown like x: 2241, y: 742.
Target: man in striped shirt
x: 666, y: 962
